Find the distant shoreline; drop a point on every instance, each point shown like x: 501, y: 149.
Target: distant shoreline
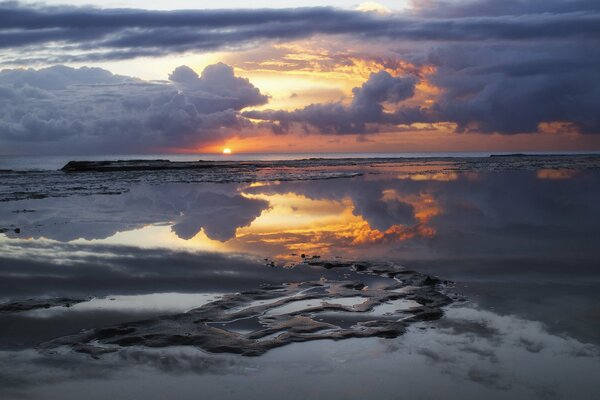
x: 163, y: 164
x: 176, y: 161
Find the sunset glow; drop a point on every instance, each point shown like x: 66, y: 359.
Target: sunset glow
x: 309, y: 199
x: 392, y: 80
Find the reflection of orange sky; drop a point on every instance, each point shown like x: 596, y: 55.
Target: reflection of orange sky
x: 296, y: 224
x: 428, y: 176
x: 424, y: 204
x: 556, y: 173
x: 299, y: 224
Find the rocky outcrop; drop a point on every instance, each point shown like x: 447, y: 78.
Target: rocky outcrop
x: 377, y: 300
x: 35, y: 304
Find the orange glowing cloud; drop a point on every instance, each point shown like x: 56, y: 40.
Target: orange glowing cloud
x: 315, y: 71
x: 292, y: 73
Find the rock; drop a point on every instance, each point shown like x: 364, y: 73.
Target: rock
x: 283, y: 314
x: 34, y: 304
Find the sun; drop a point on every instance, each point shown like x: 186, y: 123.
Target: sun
x: 226, y: 150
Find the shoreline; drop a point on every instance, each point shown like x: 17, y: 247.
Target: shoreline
x: 163, y: 164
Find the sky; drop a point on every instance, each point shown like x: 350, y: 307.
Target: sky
x: 182, y: 76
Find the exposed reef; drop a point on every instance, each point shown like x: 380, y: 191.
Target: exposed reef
x: 508, y: 161
x: 35, y: 304
x: 161, y: 165
x: 376, y: 300
x: 137, y: 165
x: 84, y: 178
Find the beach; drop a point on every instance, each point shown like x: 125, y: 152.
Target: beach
x: 455, y: 277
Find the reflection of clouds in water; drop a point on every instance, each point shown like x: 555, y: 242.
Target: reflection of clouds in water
x: 23, y: 370
x: 219, y: 215
x: 56, y: 269
x: 157, y: 303
x: 144, y: 283
x: 471, y: 354
x: 368, y: 199
x: 506, y: 353
x: 492, y: 214
x: 217, y: 209
x: 515, y: 236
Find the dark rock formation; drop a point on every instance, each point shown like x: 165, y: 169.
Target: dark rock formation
x: 279, y: 315
x: 34, y: 304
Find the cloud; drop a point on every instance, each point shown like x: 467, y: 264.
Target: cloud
x: 473, y: 8
x: 367, y: 107
x: 90, y: 109
x: 497, y: 67
x: 372, y: 6
x: 85, y: 33
x: 218, y: 88
x: 504, y: 88
x: 512, y: 89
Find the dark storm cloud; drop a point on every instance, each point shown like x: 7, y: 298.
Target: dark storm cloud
x: 366, y: 108
x: 462, y: 8
x: 514, y: 88
x: 113, y: 33
x: 87, y: 108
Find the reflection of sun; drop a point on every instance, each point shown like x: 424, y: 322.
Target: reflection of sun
x: 226, y: 151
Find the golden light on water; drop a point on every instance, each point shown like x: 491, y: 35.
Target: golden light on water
x: 295, y: 224
x: 226, y: 150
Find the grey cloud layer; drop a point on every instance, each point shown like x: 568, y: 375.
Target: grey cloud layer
x: 511, y: 89
x: 462, y: 8
x: 88, y: 33
x: 90, y: 109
